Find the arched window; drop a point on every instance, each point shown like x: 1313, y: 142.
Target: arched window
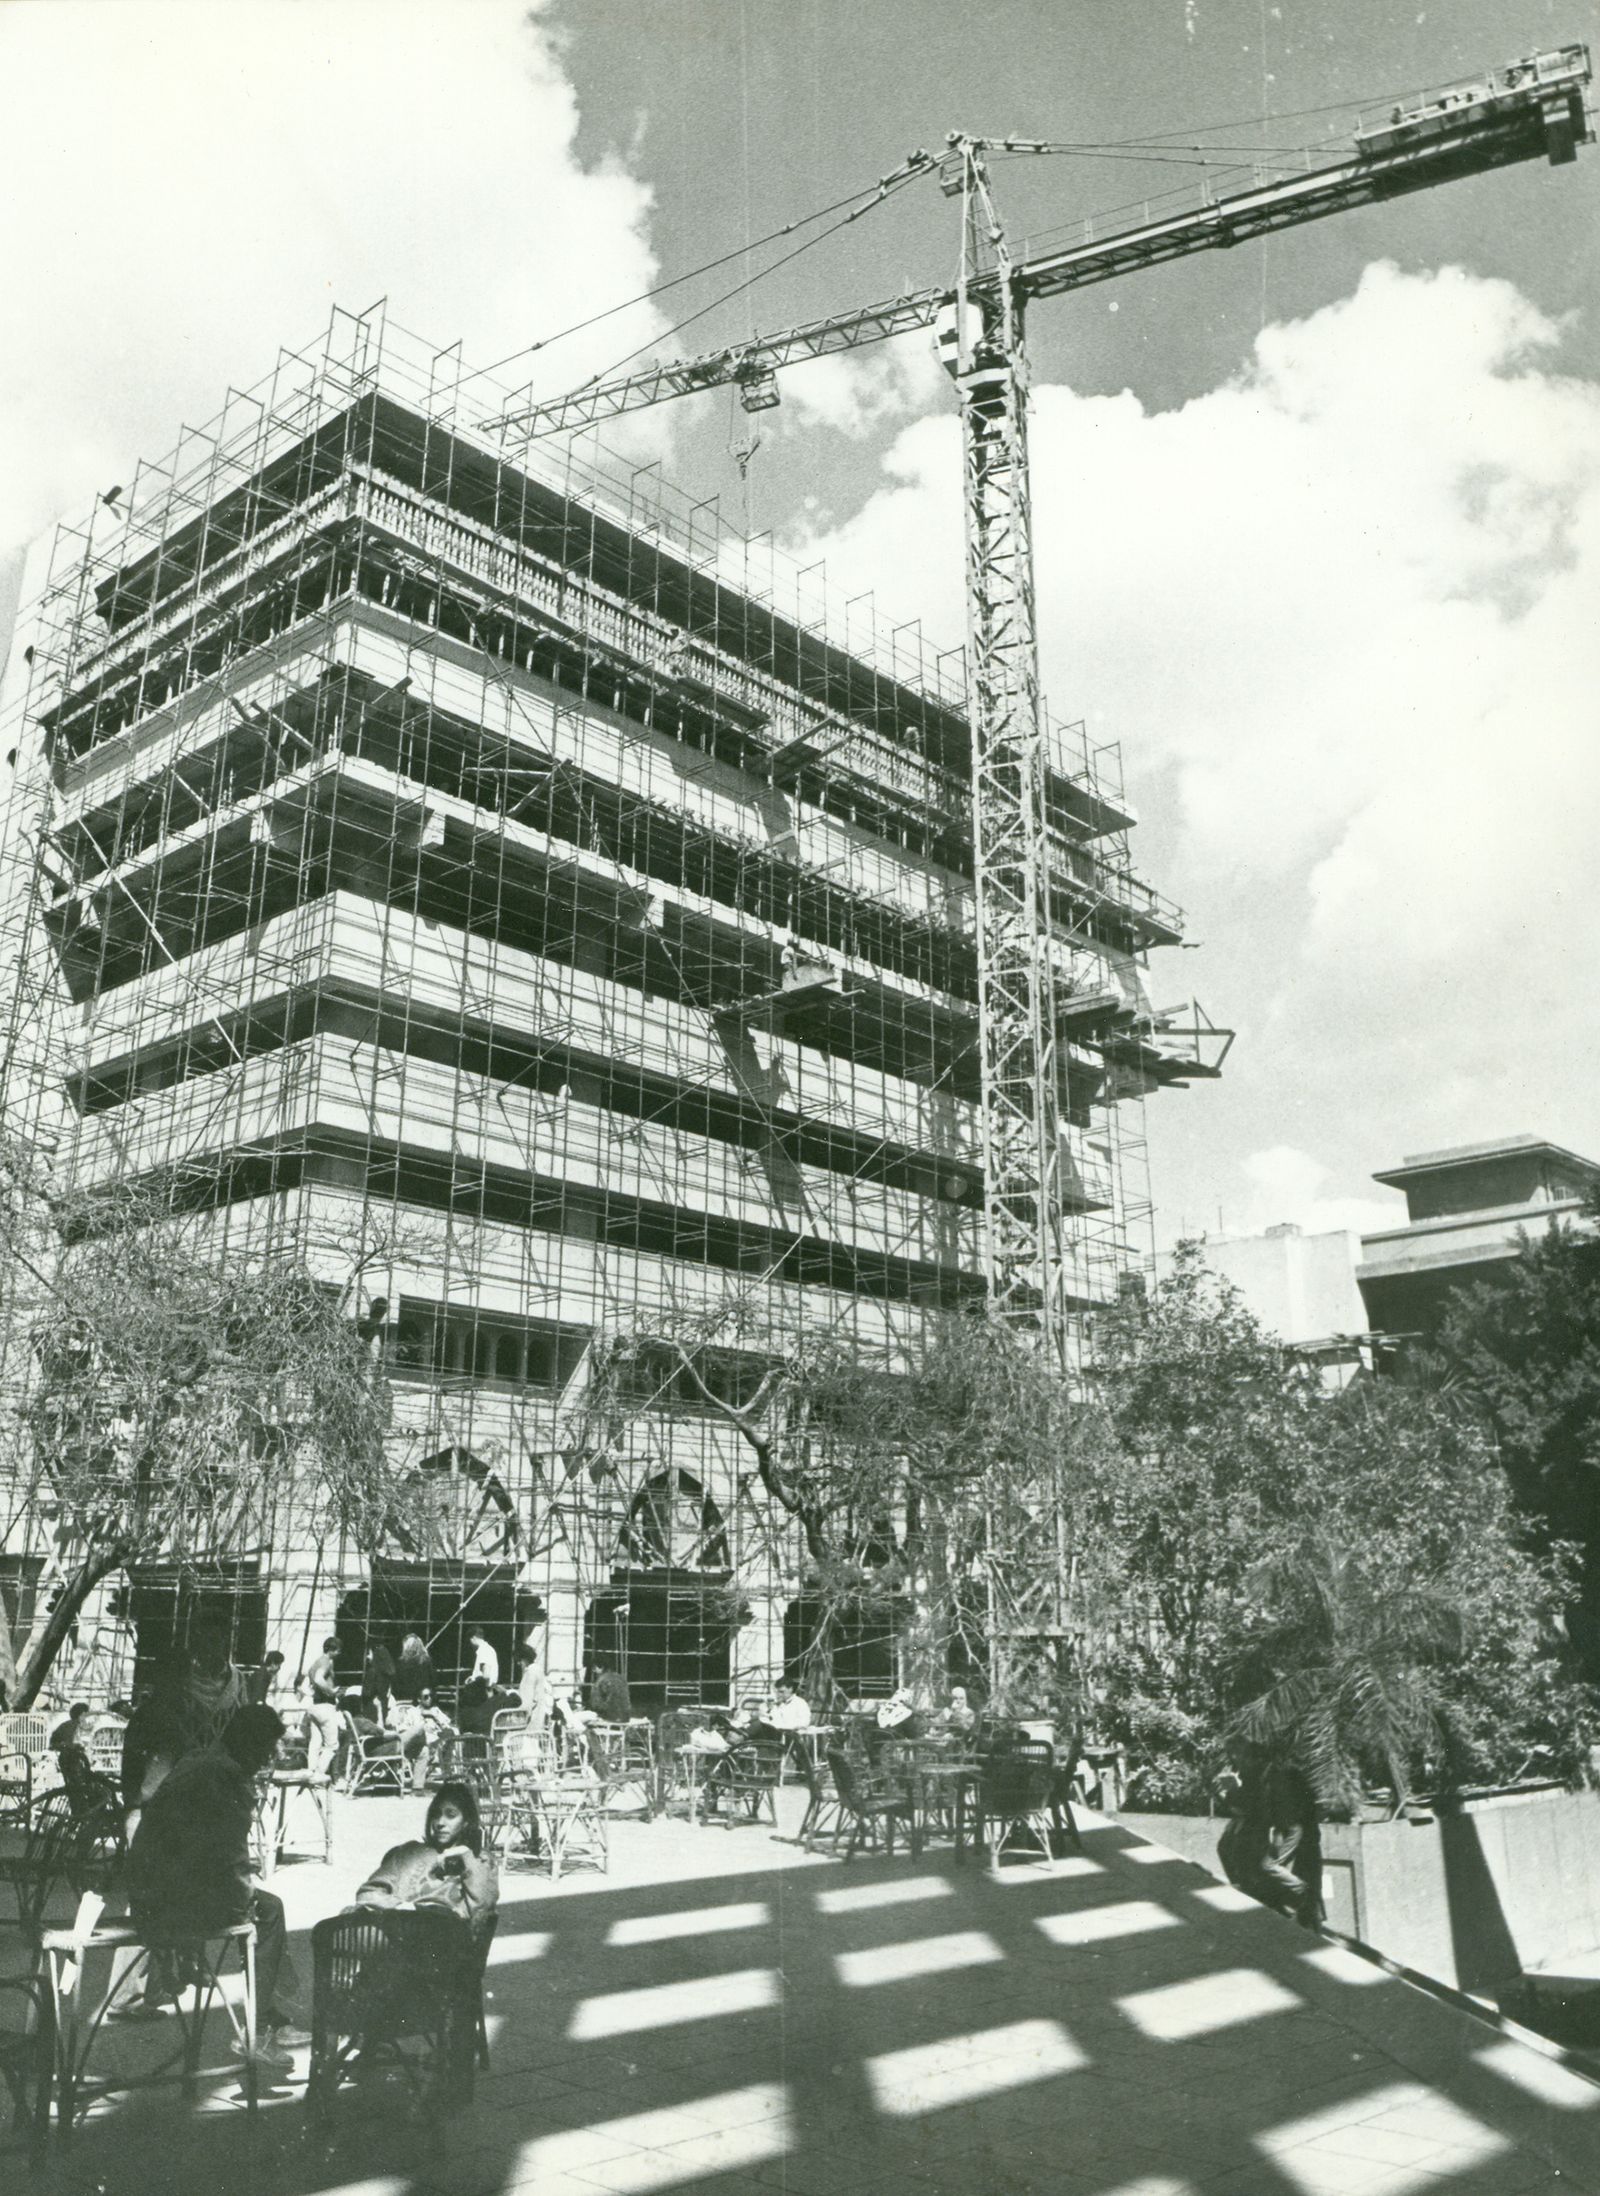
x: 672, y: 1525
x: 454, y: 1509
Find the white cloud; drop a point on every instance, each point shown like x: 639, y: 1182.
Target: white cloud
x: 1284, y: 1183
x: 1342, y: 610
x: 190, y: 185
x: 858, y: 392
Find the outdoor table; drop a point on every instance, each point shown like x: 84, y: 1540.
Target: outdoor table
x: 567, y: 1817
x: 936, y: 1777
x: 73, y: 2031
x: 276, y: 1807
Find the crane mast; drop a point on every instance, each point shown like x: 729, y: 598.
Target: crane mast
x: 1533, y: 109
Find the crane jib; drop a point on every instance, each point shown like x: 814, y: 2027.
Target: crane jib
x: 1527, y: 112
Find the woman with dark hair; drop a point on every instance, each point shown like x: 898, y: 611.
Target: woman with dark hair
x: 444, y: 1868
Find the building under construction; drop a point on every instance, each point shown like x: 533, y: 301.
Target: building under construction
x: 545, y: 911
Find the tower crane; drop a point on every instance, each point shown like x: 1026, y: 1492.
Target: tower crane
x: 1533, y: 109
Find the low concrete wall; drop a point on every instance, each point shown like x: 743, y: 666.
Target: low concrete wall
x: 1474, y: 1898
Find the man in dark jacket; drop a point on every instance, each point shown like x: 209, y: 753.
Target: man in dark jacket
x: 189, y: 1867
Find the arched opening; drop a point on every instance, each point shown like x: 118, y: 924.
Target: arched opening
x: 667, y: 1620
x: 447, y: 1568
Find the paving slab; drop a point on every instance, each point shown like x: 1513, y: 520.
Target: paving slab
x: 723, y: 2012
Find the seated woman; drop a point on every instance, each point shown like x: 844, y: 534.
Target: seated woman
x: 444, y: 1868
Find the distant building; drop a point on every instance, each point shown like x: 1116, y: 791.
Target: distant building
x: 1302, y: 1288
x: 1468, y: 1211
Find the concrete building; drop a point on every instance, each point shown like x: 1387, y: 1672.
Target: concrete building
x: 1302, y: 1288
x: 505, y: 882
x: 1468, y: 1211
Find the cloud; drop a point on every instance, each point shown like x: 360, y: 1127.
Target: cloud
x: 191, y: 186
x: 856, y: 393
x: 1284, y: 1183
x: 1340, y: 611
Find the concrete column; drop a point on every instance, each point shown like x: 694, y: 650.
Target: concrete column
x: 757, y: 1649
x: 563, y: 1637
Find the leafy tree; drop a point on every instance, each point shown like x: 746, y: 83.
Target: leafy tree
x: 1225, y: 1454
x: 160, y: 1399
x: 1343, y: 1672
x: 1524, y: 1348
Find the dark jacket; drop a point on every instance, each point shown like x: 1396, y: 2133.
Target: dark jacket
x: 189, y: 1868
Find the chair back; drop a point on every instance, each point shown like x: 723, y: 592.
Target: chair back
x: 23, y: 1732
x: 844, y: 1778
x: 105, y: 1748
x: 380, y: 1973
x: 1016, y: 1783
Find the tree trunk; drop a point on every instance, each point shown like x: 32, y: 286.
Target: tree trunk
x: 47, y: 1644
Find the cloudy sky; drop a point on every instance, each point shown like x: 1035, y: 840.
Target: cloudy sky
x: 1318, y: 520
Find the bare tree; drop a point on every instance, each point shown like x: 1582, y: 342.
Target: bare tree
x: 943, y: 1498
x: 159, y: 1400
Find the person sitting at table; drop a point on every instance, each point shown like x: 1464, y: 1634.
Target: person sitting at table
x: 424, y: 1732
x: 444, y: 1868
x: 897, y: 1718
x: 959, y: 1719
x: 781, y: 1718
x: 572, y: 1723
x: 189, y: 1868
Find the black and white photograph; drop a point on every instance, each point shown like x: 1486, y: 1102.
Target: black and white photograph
x: 799, y: 1098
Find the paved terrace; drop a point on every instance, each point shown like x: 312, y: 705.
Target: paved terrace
x: 723, y: 2013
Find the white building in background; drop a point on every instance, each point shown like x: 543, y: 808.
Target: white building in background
x: 1301, y: 1287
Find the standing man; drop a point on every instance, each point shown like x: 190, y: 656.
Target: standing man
x: 485, y: 1662
x: 377, y: 1683
x: 322, y: 1709
x: 189, y: 1868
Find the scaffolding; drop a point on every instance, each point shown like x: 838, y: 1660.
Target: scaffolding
x: 538, y: 907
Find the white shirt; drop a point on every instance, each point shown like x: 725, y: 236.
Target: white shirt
x: 793, y: 1714
x: 486, y: 1663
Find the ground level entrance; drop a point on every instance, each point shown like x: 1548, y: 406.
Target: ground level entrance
x: 671, y: 1639
x: 445, y: 1603
x: 178, y: 1615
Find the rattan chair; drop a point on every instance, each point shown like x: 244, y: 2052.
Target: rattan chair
x: 745, y: 1783
x: 16, y: 1788
x: 397, y: 1989
x: 871, y: 1809
x: 1016, y: 1800
x: 371, y: 1765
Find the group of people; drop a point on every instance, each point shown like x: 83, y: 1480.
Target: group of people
x: 191, y: 1874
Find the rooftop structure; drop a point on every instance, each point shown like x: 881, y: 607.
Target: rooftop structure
x: 1469, y: 1210
x: 549, y: 913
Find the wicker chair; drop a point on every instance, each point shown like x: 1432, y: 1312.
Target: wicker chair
x: 1016, y: 1799
x: 869, y: 1808
x: 403, y: 1989
x: 66, y: 1853
x: 371, y: 1765
x: 16, y: 1787
x: 745, y: 1782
